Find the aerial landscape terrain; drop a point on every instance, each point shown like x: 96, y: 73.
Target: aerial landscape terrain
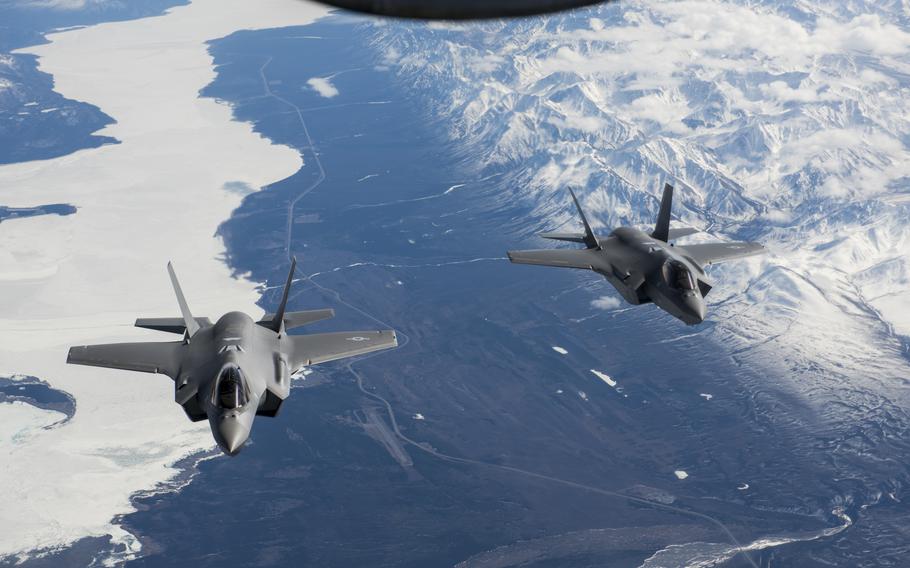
x: 527, y: 417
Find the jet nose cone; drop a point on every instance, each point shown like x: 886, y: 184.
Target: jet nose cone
x: 232, y: 434
x: 694, y: 309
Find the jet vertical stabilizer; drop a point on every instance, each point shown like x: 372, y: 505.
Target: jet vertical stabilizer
x: 662, y: 229
x: 590, y: 239
x: 277, y: 321
x: 192, y: 326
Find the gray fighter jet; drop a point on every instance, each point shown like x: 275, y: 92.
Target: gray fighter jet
x: 236, y: 369
x: 645, y: 267
x: 458, y: 9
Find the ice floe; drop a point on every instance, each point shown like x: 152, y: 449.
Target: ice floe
x: 604, y: 377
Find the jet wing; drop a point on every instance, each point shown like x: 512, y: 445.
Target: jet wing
x: 164, y: 358
x: 570, y: 237
x: 564, y: 258
x: 712, y: 253
x: 322, y: 347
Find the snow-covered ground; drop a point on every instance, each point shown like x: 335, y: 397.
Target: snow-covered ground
x: 782, y: 121
x: 158, y: 195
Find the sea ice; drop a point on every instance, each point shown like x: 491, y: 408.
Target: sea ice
x: 83, y: 278
x: 604, y: 377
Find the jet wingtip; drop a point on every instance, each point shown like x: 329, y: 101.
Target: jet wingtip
x: 71, y: 355
x: 758, y: 248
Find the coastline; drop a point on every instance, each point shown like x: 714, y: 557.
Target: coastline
x: 160, y: 194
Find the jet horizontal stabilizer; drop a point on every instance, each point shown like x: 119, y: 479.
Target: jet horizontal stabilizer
x: 170, y: 325
x: 297, y: 319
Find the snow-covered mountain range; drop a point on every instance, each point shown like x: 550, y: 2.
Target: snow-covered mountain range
x: 779, y: 121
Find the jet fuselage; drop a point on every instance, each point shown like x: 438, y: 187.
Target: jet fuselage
x: 236, y: 369
x: 644, y: 269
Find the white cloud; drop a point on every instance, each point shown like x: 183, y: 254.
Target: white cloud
x: 663, y: 108
x: 606, y: 303
x: 781, y: 91
x: 323, y: 86
x: 486, y: 63
x: 864, y: 34
x: 580, y: 123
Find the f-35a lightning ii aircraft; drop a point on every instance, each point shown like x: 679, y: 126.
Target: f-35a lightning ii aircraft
x: 645, y: 267
x: 458, y: 9
x: 236, y: 369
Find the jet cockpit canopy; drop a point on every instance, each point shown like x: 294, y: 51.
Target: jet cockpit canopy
x: 231, y: 390
x: 678, y: 276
